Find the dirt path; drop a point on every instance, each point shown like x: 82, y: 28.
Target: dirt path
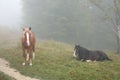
x: 4, y: 67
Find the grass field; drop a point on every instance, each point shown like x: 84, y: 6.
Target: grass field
x: 54, y: 61
x: 5, y: 77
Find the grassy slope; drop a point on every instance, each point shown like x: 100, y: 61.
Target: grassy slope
x: 5, y: 77
x: 54, y: 61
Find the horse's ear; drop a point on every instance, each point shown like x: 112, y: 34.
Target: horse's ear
x: 29, y: 28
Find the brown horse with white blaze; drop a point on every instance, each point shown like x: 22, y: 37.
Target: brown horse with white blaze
x: 28, y: 45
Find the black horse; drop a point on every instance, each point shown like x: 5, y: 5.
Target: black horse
x: 84, y: 54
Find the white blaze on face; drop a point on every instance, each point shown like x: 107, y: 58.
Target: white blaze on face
x: 74, y: 53
x: 28, y: 40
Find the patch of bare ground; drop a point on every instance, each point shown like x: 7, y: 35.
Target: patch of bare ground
x: 4, y: 67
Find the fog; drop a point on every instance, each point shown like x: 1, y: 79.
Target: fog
x: 69, y: 21
x: 10, y: 13
x: 10, y: 19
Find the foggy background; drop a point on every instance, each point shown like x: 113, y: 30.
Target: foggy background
x: 10, y: 18
x: 10, y: 13
x: 69, y: 21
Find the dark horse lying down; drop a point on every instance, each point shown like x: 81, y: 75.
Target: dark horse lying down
x: 84, y: 54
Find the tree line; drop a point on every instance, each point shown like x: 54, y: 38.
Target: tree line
x: 90, y: 23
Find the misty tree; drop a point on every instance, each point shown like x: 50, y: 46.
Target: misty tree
x: 71, y: 21
x: 111, y: 11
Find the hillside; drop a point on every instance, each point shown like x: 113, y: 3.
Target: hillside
x: 54, y: 61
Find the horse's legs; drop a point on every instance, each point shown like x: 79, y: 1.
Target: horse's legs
x: 33, y: 55
x: 27, y: 55
x: 33, y: 52
x: 24, y: 56
x: 30, y: 57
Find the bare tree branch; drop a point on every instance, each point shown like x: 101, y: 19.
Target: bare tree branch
x: 96, y: 4
x: 117, y: 12
x: 115, y: 20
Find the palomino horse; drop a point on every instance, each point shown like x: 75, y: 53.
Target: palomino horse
x: 28, y: 45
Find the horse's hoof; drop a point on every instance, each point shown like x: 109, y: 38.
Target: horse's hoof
x: 23, y: 63
x: 30, y: 64
x: 88, y: 60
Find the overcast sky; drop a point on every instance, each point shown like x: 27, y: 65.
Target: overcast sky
x: 10, y: 12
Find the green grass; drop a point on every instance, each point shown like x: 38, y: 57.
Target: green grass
x: 54, y: 61
x: 5, y: 77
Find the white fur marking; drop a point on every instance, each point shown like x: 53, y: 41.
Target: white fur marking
x: 74, y: 53
x: 88, y: 60
x: 30, y: 64
x: 23, y: 63
x: 28, y: 42
x: 27, y: 57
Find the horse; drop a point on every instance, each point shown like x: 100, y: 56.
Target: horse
x: 28, y: 45
x: 83, y: 54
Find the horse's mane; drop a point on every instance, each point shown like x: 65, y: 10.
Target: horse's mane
x: 82, y: 48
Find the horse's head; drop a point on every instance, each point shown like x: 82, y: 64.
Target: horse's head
x: 76, y: 50
x: 27, y: 36
x: 26, y: 29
